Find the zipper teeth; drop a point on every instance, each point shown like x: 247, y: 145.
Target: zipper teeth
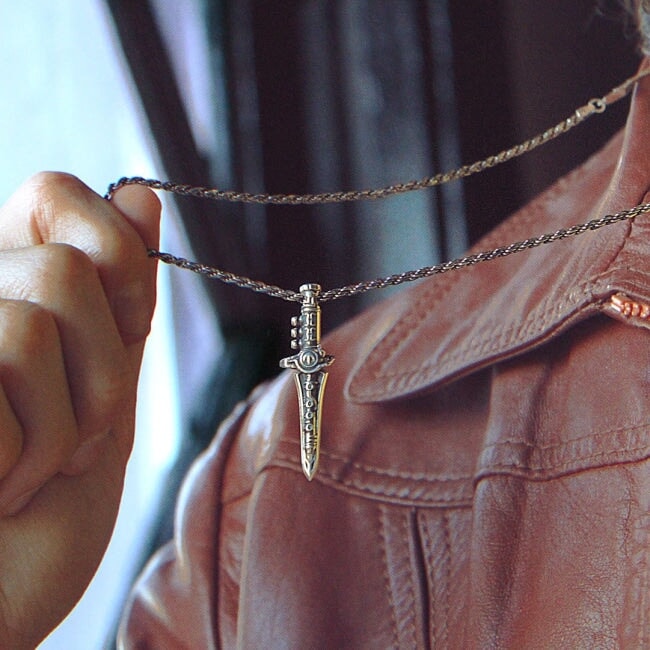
x: 629, y: 308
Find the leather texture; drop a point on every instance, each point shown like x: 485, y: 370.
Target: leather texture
x: 484, y: 478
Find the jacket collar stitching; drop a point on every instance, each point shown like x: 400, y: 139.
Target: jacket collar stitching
x: 535, y: 321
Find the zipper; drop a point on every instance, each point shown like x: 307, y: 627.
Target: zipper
x: 629, y: 309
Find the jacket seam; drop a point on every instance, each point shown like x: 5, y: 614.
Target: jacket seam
x: 489, y: 345
x: 406, y: 497
x: 427, y: 543
x: 643, y: 628
x: 327, y: 478
x: 574, y: 463
x: 554, y: 471
x: 235, y: 499
x: 422, y: 477
x: 529, y: 214
x: 447, y: 586
x: 386, y: 575
x: 559, y: 445
x: 533, y: 327
x: 380, y: 471
x: 405, y: 537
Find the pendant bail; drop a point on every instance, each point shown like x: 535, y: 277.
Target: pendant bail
x: 309, y: 374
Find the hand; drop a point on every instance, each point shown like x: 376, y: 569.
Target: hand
x: 77, y: 293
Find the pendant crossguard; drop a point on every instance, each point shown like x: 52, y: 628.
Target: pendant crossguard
x: 310, y: 376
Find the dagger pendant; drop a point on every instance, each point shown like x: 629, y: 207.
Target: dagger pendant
x: 309, y: 374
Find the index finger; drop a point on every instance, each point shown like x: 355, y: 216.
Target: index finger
x: 55, y: 207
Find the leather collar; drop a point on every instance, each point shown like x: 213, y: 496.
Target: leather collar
x: 452, y: 325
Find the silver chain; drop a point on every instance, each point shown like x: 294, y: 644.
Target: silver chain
x: 592, y: 107
x: 408, y: 276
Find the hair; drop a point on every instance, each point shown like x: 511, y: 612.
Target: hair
x: 644, y: 24
x: 639, y: 10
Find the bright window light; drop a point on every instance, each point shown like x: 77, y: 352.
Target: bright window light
x: 68, y: 105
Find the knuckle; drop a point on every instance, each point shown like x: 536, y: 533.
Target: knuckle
x: 49, y: 194
x: 53, y: 187
x: 26, y: 330
x: 56, y: 194
x: 120, y: 247
x: 106, y: 399
x: 61, y: 266
x: 47, y: 183
x: 110, y: 389
x: 67, y: 260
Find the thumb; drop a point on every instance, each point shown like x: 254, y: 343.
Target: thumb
x: 141, y: 208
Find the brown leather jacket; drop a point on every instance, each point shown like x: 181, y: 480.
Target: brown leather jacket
x: 484, y: 479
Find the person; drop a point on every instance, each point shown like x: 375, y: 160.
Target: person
x: 77, y: 294
x: 483, y: 479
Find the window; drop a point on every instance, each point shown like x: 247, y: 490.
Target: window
x: 68, y: 105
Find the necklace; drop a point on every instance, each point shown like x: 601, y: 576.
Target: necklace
x: 310, y: 361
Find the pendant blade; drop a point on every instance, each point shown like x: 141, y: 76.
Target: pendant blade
x: 311, y: 388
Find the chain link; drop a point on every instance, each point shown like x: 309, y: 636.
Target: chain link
x: 595, y: 106
x: 408, y: 276
x: 213, y: 273
x: 484, y: 256
x: 592, y: 107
